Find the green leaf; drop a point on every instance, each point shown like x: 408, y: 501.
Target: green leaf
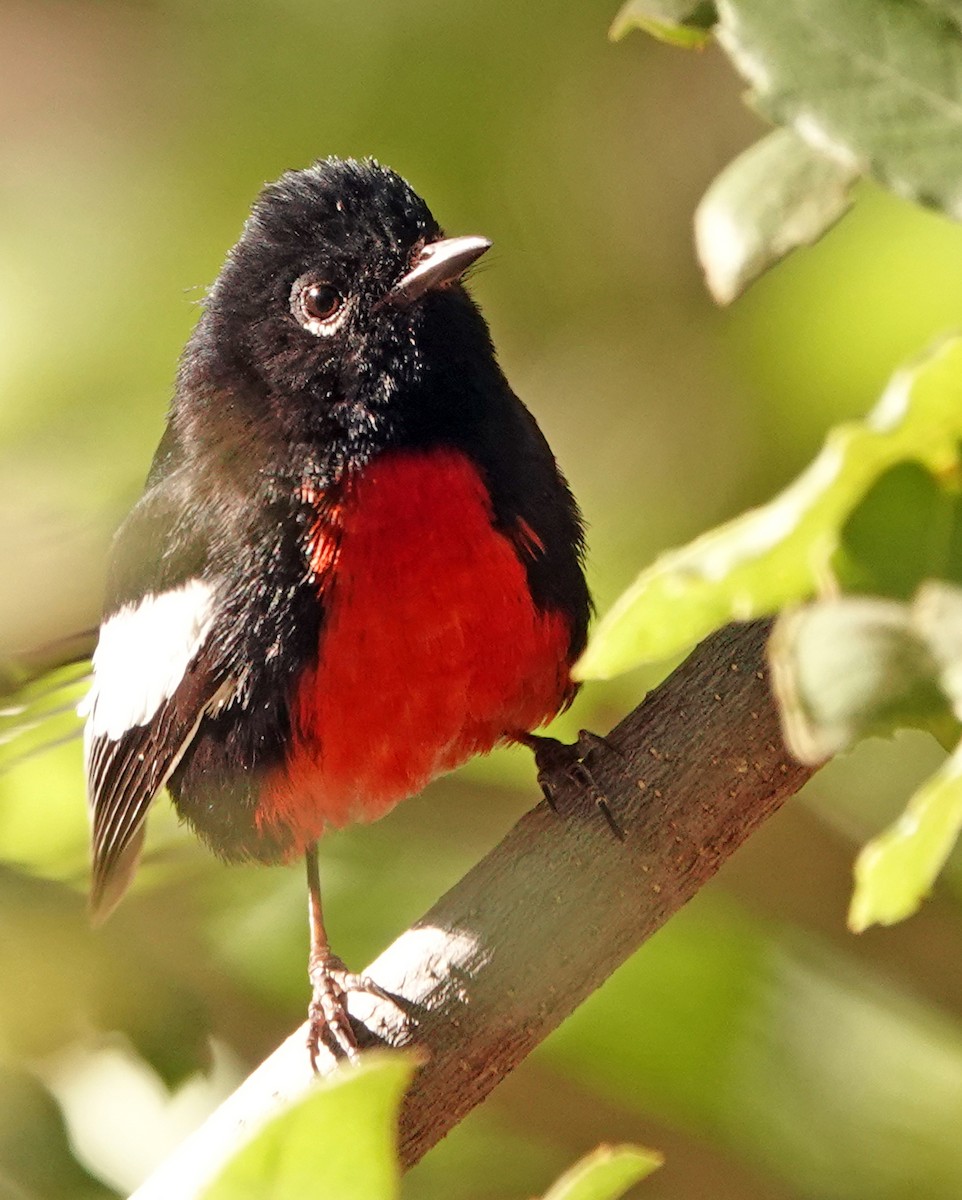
x: 849, y: 668
x: 685, y: 23
x: 337, y: 1141
x: 781, y: 552
x: 873, y: 83
x: 895, y: 871
x: 854, y: 666
x: 907, y: 508
x: 605, y: 1174
x: 778, y: 195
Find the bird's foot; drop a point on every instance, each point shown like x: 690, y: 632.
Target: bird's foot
x: 327, y: 1016
x: 554, y: 758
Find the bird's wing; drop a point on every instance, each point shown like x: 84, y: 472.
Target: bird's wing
x: 155, y: 677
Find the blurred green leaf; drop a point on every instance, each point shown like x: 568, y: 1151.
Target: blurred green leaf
x: 937, y: 614
x: 848, y: 668
x: 35, y: 1152
x: 338, y: 1141
x: 907, y: 508
x: 525, y: 1156
x: 895, y: 871
x: 855, y: 666
x: 38, y: 714
x: 685, y: 23
x: 826, y: 1072
x: 690, y: 993
x: 605, y: 1174
x: 148, y: 977
x: 874, y: 83
x: 19, y: 671
x: 777, y: 195
x: 781, y: 551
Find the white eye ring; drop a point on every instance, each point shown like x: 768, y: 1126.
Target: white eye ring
x: 318, y: 306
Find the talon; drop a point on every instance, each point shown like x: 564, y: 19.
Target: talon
x: 328, y: 1019
x: 554, y: 757
x: 328, y: 1022
x: 609, y: 816
x: 547, y: 791
x: 550, y: 756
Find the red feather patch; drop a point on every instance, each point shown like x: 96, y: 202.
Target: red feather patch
x: 432, y: 650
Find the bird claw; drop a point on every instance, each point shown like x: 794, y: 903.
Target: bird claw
x: 327, y: 1016
x: 553, y: 757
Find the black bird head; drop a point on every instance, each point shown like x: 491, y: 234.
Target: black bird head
x: 324, y: 305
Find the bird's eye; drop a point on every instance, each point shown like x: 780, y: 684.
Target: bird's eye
x: 316, y: 306
x: 320, y: 301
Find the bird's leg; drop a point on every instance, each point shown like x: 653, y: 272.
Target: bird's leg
x: 331, y: 982
x: 553, y: 757
x: 327, y: 1015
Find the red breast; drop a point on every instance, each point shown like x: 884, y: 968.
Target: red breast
x: 432, y: 649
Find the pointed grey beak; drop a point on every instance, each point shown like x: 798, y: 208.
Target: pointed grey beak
x: 439, y: 263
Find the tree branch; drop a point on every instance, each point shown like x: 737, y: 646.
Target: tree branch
x: 544, y: 919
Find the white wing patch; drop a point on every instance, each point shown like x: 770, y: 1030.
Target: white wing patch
x: 142, y: 654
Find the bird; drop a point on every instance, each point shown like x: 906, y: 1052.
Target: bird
x: 355, y: 563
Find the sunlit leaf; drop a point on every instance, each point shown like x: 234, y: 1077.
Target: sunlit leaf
x: 605, y: 1174
x: 777, y: 195
x: 780, y: 552
x: 874, y: 83
x: 338, y: 1141
x: 683, y: 23
x: 895, y: 871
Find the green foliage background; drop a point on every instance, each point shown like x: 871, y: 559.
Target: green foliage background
x: 768, y: 1052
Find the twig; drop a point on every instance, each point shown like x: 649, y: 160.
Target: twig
x: 544, y: 919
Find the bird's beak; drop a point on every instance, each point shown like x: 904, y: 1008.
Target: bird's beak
x: 439, y: 263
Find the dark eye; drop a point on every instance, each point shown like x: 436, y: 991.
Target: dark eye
x: 318, y: 306
x: 320, y: 301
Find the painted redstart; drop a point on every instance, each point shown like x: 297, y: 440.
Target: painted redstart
x: 355, y: 563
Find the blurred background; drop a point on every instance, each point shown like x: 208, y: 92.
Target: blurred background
x: 769, y: 1053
